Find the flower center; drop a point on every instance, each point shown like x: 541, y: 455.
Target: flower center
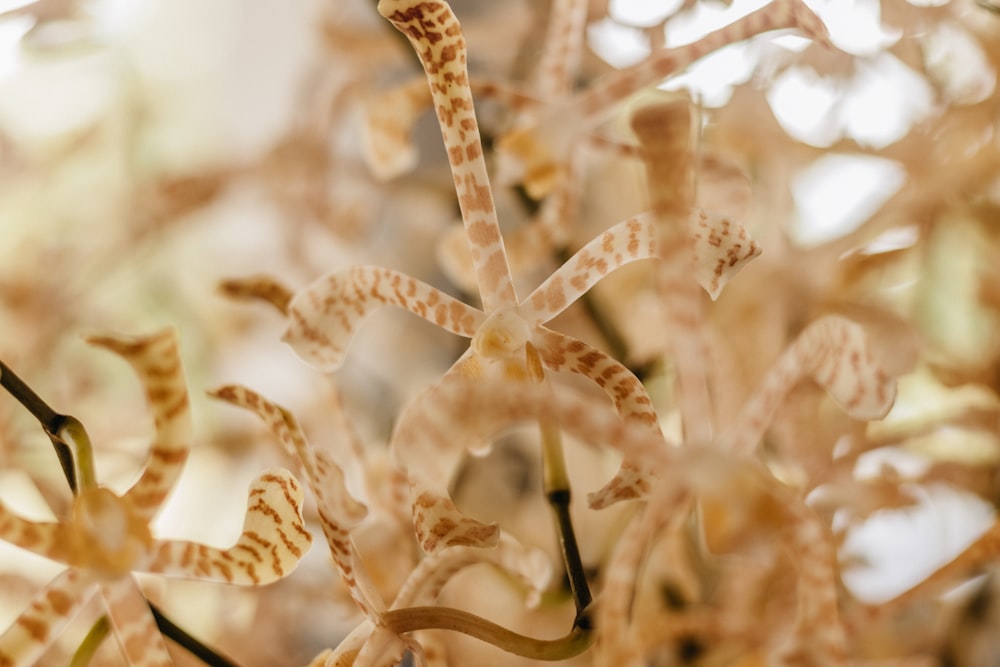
x: 503, y: 335
x: 109, y: 538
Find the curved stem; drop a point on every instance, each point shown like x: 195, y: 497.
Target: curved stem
x: 52, y: 422
x: 446, y: 618
x: 74, y: 435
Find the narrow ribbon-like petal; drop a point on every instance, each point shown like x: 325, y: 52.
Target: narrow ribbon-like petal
x: 386, y: 142
x: 156, y: 360
x: 325, y: 315
x: 563, y: 353
x: 834, y: 352
x: 35, y: 629
x: 721, y: 248
x: 425, y: 582
x: 339, y: 512
x: 134, y: 626
x: 533, y: 154
x: 437, y: 38
x: 628, y: 241
x: 44, y: 538
x: 273, y: 540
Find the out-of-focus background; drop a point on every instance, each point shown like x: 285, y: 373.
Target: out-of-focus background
x: 150, y: 149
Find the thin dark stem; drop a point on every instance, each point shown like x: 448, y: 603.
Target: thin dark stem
x: 559, y: 501
x: 557, y: 492
x: 170, y: 629
x: 51, y: 420
x: 446, y: 618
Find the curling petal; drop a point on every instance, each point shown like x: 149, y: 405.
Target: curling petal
x: 325, y: 315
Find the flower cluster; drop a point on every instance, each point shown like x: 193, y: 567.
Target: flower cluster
x: 738, y: 401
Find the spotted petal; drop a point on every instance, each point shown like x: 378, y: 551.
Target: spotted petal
x: 339, y: 512
x: 273, y: 540
x: 430, y: 458
x: 533, y: 154
x: 834, y: 352
x: 562, y: 48
x: 156, y: 360
x: 44, y: 538
x: 721, y: 249
x: 434, y: 434
x: 425, y: 582
x: 628, y: 241
x: 436, y: 36
x: 35, y: 629
x: 389, y: 120
x: 134, y: 626
x: 325, y: 315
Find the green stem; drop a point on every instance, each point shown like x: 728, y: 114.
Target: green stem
x: 97, y: 634
x: 577, y: 641
x: 74, y: 435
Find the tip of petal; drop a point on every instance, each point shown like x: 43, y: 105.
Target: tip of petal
x: 439, y: 524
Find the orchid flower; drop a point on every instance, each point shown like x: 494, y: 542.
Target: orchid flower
x: 374, y: 642
x: 508, y: 330
x: 108, y: 536
x: 535, y: 154
x: 756, y: 504
x: 390, y: 152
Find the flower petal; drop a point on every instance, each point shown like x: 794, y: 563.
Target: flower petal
x: 390, y: 117
x: 258, y: 288
x: 437, y: 38
x: 833, y: 351
x: 44, y: 538
x: 721, y: 249
x: 535, y: 153
x: 430, y: 458
x: 338, y: 511
x: 383, y: 649
x: 425, y: 582
x: 273, y: 541
x: 325, y: 315
x: 628, y: 241
x: 563, y: 353
x: 34, y: 630
x: 156, y: 360
x: 562, y: 48
x: 134, y: 626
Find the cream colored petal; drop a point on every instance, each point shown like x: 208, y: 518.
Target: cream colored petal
x: 437, y: 38
x: 534, y: 154
x: 273, y: 540
x: 326, y: 314
x: 388, y: 122
x: 563, y: 353
x: 834, y: 352
x: 156, y: 359
x: 383, y: 649
x: 133, y: 625
x: 721, y: 249
x: 530, y: 566
x: 258, y: 288
x: 35, y: 629
x: 339, y: 512
x: 628, y: 241
x: 44, y: 538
